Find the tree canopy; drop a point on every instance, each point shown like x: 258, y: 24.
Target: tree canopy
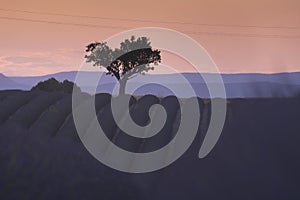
x: 134, y: 56
x: 52, y: 85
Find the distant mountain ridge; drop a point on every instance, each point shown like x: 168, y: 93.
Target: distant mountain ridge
x: 7, y: 83
x: 237, y: 85
x: 286, y: 77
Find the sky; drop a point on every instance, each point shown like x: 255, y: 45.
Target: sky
x: 257, y: 36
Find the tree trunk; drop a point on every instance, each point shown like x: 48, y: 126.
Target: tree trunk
x: 122, y: 83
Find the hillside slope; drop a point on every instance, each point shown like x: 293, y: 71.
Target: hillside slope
x: 41, y: 156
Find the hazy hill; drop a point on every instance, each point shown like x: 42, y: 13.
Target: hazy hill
x: 236, y: 85
x: 287, y: 78
x: 8, y: 84
x: 233, y: 90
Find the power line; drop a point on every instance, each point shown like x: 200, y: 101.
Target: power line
x: 63, y: 23
x: 150, y: 21
x: 185, y: 31
x: 251, y: 35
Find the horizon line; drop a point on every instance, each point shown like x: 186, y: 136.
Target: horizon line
x: 237, y: 73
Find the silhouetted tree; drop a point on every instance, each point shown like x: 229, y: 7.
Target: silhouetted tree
x: 52, y: 85
x: 133, y: 57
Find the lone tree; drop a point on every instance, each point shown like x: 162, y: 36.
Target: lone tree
x: 133, y: 57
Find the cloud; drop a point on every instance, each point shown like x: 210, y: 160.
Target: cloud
x: 27, y: 59
x: 39, y: 63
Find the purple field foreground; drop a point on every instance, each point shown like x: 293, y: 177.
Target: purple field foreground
x: 42, y: 157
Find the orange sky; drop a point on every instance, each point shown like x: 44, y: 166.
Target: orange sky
x: 31, y: 48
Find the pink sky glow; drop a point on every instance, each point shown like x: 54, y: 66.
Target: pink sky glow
x: 258, y: 36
